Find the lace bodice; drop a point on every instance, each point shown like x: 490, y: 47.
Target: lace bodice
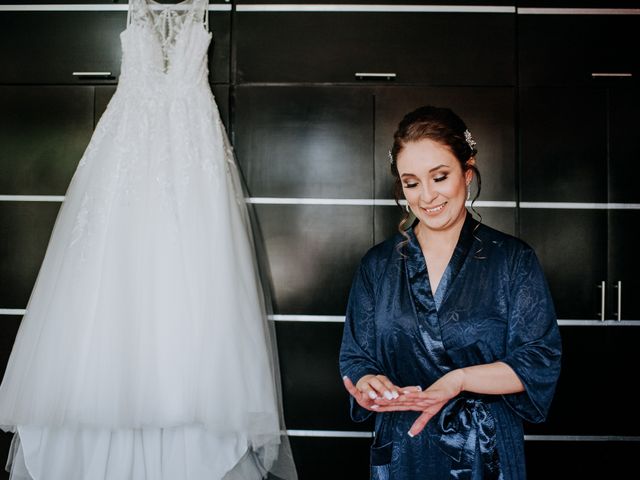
x: 165, y: 45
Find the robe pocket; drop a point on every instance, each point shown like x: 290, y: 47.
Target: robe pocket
x: 381, y: 461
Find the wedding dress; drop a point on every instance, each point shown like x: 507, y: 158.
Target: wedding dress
x: 145, y: 352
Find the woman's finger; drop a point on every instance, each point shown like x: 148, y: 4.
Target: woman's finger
x: 420, y: 423
x: 362, y: 398
x: 396, y: 408
x: 405, y: 390
x: 348, y: 384
x: 380, y: 388
x: 389, y: 386
x: 364, y: 386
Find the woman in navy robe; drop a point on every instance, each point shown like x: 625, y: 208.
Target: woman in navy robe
x: 451, y: 337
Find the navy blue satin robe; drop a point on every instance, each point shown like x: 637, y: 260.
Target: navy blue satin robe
x: 492, y: 304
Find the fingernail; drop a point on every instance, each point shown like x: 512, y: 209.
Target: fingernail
x: 345, y: 377
x: 387, y: 395
x: 410, y: 434
x: 375, y: 406
x: 419, y: 388
x: 372, y: 395
x: 395, y: 394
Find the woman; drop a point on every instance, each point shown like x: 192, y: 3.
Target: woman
x: 450, y: 327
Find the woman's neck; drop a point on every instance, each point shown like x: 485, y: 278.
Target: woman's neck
x: 439, y: 240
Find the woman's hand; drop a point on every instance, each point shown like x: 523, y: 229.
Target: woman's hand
x: 371, y: 388
x: 429, y: 402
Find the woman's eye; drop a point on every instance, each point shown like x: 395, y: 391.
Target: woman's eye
x: 410, y: 185
x: 440, y: 178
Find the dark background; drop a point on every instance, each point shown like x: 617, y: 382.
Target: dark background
x: 558, y: 153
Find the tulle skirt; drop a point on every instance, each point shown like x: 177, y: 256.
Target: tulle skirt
x: 145, y: 341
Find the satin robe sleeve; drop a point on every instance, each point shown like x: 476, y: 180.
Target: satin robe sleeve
x: 533, y: 347
x: 357, y: 353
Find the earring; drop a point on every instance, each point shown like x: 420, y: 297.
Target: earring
x: 406, y: 207
x: 468, y: 191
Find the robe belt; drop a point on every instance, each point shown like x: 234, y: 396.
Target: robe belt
x: 464, y: 422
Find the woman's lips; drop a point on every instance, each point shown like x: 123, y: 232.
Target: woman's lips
x: 434, y: 210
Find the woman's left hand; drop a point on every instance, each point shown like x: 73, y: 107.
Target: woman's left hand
x: 429, y: 401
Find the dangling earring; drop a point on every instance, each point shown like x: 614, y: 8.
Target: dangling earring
x: 406, y: 207
x: 468, y: 191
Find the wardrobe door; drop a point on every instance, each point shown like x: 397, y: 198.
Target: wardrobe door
x: 312, y: 253
x: 294, y: 141
x: 624, y: 284
x: 563, y: 145
x: 595, y: 359
x: 587, y: 460
x: 624, y: 147
x: 572, y: 247
x: 44, y: 131
x: 26, y: 228
x: 47, y: 47
x: 220, y: 47
x: 320, y: 458
x: 315, y: 398
x: 434, y: 47
x: 577, y: 49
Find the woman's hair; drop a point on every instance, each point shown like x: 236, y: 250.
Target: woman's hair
x: 442, y: 126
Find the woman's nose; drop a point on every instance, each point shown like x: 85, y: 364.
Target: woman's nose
x: 428, y: 194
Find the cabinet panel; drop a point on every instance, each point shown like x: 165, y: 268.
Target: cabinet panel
x: 572, y: 247
x: 65, y: 42
x: 563, y: 143
x: 624, y: 125
x: 313, y: 252
x: 623, y: 263
x: 323, y: 458
x: 43, y: 132
x: 26, y: 228
x: 433, y: 48
x: 83, y: 41
x: 220, y: 47
x: 488, y: 113
x: 594, y: 359
x: 568, y: 49
x: 305, y: 141
x: 583, y: 460
x: 314, y: 397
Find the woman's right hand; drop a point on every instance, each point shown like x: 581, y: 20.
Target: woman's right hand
x: 371, y: 387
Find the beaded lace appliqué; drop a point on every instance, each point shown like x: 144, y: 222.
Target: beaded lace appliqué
x: 166, y: 21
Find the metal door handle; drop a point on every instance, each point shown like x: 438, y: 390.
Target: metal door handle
x: 603, y: 288
x: 611, y: 74
x: 375, y: 76
x: 92, y: 74
x: 619, y: 312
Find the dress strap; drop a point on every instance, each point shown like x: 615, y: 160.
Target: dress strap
x: 134, y: 11
x: 204, y: 4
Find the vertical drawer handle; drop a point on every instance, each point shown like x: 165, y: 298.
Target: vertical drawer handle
x: 619, y: 312
x: 603, y: 288
x: 375, y: 75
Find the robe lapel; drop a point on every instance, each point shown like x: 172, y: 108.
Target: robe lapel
x: 457, y: 259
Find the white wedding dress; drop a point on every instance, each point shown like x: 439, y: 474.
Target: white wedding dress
x: 145, y: 352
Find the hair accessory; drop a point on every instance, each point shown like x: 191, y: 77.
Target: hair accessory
x: 390, y: 157
x: 470, y: 141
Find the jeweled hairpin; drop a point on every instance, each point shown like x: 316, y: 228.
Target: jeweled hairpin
x: 470, y: 141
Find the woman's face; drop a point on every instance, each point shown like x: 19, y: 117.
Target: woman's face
x: 433, y: 183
